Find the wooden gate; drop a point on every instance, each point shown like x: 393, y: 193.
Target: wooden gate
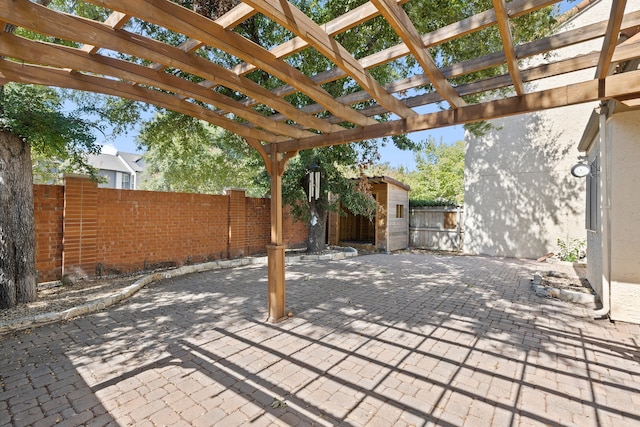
x: 436, y: 227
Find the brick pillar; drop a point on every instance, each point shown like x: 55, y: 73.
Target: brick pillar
x: 80, y: 226
x: 237, y: 222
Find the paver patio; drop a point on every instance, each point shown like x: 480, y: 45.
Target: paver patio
x: 375, y: 340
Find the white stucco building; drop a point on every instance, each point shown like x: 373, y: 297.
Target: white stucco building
x: 520, y: 197
x: 611, y: 142
x: 121, y: 170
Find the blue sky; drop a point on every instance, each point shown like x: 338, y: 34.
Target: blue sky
x: 390, y: 154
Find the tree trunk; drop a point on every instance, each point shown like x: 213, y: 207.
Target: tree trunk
x: 317, y: 227
x: 17, y: 241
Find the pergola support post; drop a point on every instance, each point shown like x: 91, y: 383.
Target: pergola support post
x: 276, y: 250
x: 275, y: 163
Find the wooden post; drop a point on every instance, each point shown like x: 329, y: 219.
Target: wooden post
x: 276, y: 251
x: 275, y: 163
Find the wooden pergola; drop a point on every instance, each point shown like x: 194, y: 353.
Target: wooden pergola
x: 92, y: 66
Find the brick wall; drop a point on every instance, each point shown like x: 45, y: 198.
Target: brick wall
x: 83, y: 230
x: 48, y: 208
x: 258, y: 227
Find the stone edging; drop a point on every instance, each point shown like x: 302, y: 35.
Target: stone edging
x: 102, y: 303
x: 561, y: 294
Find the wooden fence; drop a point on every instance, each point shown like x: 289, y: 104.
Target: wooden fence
x: 436, y: 227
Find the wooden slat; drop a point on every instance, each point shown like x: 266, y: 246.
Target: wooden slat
x: 116, y: 21
x: 344, y: 22
x: 177, y: 18
x: 466, y: 26
x: 368, y: 11
x: 611, y: 38
x: 229, y: 20
x: 32, y: 74
x: 26, y: 14
x: 294, y: 20
x: 562, y: 40
x: 507, y: 43
x: 610, y: 87
x: 543, y: 71
x: 403, y: 26
x: 76, y: 59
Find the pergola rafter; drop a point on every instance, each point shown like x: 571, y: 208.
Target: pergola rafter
x: 500, y: 8
x: 611, y: 38
x: 179, y: 78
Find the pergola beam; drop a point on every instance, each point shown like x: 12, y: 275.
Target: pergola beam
x: 537, y: 47
x: 177, y: 18
x: 547, y: 44
x: 500, y: 8
x: 294, y: 20
x: 78, y: 60
x: 466, y: 26
x: 612, y: 86
x: 32, y: 74
x: 37, y: 18
x: 611, y: 38
x: 403, y: 26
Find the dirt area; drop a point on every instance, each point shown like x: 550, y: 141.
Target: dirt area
x: 558, y: 280
x: 55, y: 296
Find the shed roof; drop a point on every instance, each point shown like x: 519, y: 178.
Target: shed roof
x: 388, y: 180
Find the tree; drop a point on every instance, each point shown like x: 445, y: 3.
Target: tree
x: 67, y: 133
x: 369, y: 37
x: 30, y: 119
x: 330, y: 162
x: 188, y: 155
x: 439, y: 175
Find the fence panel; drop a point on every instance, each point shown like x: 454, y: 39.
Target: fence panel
x: 436, y: 227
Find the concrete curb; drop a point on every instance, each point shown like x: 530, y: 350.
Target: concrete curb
x: 102, y: 303
x: 561, y: 294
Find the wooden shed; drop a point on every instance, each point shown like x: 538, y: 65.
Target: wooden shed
x: 387, y: 232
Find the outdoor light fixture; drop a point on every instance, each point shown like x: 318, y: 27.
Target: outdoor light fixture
x: 580, y: 170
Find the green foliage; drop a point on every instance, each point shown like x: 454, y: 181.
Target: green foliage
x: 331, y: 162
x: 571, y: 250
x: 439, y: 176
x: 35, y: 114
x: 417, y: 203
x: 188, y: 155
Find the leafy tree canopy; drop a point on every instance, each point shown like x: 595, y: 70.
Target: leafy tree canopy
x: 188, y: 155
x: 36, y: 114
x: 200, y: 150
x: 439, y: 175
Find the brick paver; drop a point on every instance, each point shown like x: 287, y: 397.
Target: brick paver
x: 400, y: 339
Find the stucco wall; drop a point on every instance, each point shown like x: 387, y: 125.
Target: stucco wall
x: 519, y: 195
x: 624, y: 129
